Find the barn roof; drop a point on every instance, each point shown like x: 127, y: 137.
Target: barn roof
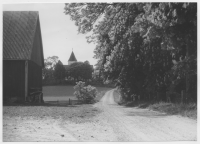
x: 72, y: 57
x: 19, y: 29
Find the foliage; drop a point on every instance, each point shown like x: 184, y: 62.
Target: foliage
x: 53, y: 71
x: 59, y: 71
x: 49, y: 66
x: 80, y: 71
x: 143, y: 47
x: 97, y: 78
x: 84, y: 93
x: 50, y: 62
x: 186, y: 110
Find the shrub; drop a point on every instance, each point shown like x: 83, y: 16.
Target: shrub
x: 85, y: 94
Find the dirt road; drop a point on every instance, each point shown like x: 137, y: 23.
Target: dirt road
x: 113, y: 123
x: 132, y: 124
x: 117, y: 123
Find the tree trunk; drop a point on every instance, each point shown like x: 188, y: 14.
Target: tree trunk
x: 187, y: 68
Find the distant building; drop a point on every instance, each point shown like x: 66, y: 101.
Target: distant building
x: 72, y: 59
x: 23, y: 58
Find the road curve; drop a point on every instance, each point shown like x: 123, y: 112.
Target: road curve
x: 135, y: 124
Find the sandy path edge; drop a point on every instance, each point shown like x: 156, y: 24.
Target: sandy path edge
x: 134, y: 124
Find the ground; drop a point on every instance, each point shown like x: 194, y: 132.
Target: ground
x: 102, y: 121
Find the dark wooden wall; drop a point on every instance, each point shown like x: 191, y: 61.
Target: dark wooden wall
x: 14, y: 79
x: 37, y: 51
x: 34, y: 76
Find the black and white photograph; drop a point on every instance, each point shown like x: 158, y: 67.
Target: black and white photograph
x: 99, y: 71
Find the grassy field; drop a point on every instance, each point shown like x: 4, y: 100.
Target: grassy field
x: 56, y: 106
x: 58, y: 93
x: 64, y: 93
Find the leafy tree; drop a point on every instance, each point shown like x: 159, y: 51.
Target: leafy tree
x: 81, y: 71
x: 59, y: 71
x: 74, y: 70
x: 49, y: 66
x: 176, y: 25
x: 50, y: 62
x: 116, y: 49
x: 87, y: 62
x: 141, y: 46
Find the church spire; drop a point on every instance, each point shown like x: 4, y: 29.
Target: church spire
x: 72, y: 58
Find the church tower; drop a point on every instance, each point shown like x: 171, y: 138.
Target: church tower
x: 72, y: 58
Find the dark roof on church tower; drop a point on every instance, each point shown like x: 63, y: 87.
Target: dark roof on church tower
x: 72, y: 57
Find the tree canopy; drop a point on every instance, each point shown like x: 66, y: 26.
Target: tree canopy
x: 80, y: 71
x: 49, y: 66
x: 59, y: 72
x: 142, y: 46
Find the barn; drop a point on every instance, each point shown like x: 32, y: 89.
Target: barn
x: 23, y: 58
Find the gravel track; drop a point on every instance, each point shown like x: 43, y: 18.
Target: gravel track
x: 134, y: 124
x: 114, y: 123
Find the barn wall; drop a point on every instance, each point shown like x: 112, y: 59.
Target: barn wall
x: 14, y: 79
x: 37, y: 50
x: 34, y: 76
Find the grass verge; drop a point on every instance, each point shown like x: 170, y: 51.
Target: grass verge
x: 185, y: 110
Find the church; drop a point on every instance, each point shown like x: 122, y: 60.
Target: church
x: 72, y: 59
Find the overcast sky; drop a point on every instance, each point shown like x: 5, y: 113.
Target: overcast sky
x: 59, y: 33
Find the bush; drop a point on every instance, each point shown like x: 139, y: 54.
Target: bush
x: 85, y: 94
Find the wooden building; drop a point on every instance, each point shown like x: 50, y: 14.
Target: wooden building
x: 23, y: 58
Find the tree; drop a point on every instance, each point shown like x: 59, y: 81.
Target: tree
x: 59, y: 71
x: 176, y: 25
x: 87, y: 62
x: 74, y: 70
x: 81, y: 71
x: 51, y: 62
x: 49, y: 66
x: 116, y: 49
x: 141, y: 46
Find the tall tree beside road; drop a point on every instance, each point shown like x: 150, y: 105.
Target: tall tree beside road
x: 142, y: 46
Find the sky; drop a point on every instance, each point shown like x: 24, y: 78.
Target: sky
x: 59, y: 33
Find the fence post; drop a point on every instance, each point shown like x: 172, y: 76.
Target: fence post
x: 69, y: 101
